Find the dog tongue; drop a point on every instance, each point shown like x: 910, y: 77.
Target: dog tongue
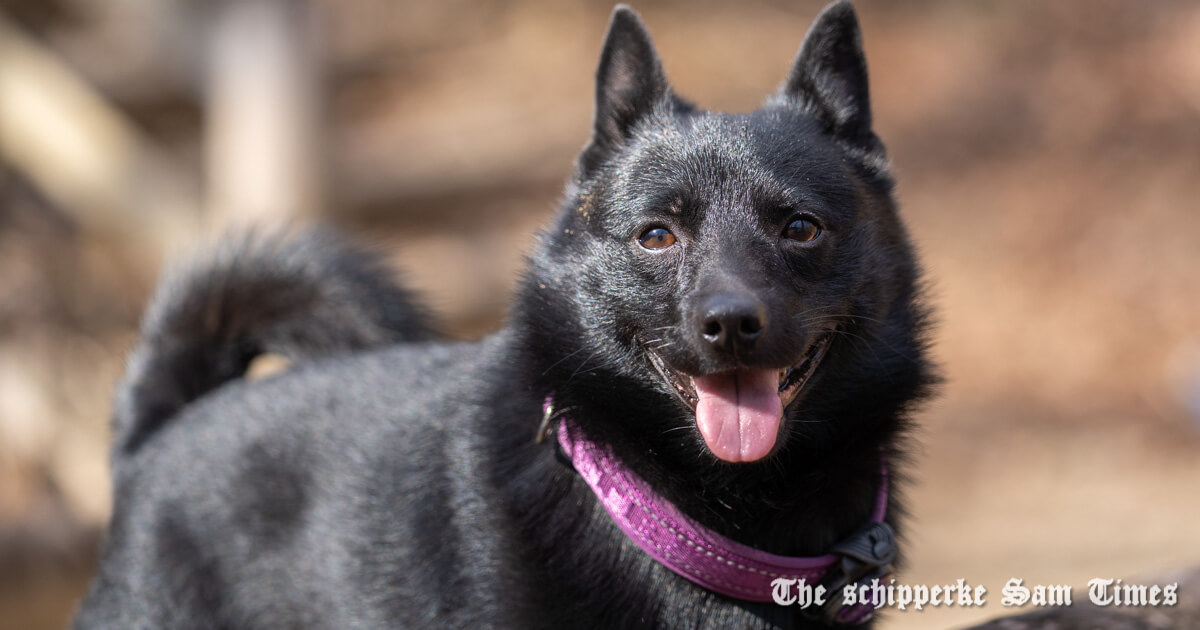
x: 738, y: 413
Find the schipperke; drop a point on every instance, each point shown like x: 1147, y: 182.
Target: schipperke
x: 697, y: 400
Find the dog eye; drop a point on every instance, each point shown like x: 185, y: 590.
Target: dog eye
x: 802, y: 230
x: 657, y: 238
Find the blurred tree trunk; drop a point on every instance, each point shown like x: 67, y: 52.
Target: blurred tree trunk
x: 85, y: 155
x: 265, y: 153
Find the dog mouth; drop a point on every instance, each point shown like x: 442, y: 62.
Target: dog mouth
x: 739, y: 411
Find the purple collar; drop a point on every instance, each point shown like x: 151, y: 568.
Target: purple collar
x: 690, y: 549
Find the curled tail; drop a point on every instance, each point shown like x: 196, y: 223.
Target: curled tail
x: 301, y: 297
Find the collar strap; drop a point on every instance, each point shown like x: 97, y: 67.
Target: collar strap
x: 715, y: 562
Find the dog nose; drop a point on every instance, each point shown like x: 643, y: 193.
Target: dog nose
x: 732, y: 321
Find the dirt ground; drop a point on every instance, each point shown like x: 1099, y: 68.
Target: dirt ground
x: 1048, y: 166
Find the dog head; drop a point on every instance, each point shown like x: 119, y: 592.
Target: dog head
x: 716, y: 272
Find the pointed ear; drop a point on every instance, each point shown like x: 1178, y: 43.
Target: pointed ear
x: 829, y: 76
x: 629, y: 83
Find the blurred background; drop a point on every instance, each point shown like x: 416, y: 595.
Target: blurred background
x: 1048, y: 159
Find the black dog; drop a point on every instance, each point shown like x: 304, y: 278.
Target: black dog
x: 723, y: 322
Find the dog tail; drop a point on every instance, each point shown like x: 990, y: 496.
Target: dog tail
x: 301, y: 297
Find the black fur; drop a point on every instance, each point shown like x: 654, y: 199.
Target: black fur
x: 401, y: 486
x: 305, y: 297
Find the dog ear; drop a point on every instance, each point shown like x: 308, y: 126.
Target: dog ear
x: 829, y: 77
x: 629, y: 84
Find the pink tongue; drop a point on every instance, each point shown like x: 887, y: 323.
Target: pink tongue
x: 738, y: 413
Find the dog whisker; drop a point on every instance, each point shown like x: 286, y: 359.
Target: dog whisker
x: 556, y: 363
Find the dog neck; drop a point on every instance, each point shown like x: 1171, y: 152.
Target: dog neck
x: 711, y: 560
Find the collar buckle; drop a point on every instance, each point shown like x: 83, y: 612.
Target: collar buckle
x: 866, y: 555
